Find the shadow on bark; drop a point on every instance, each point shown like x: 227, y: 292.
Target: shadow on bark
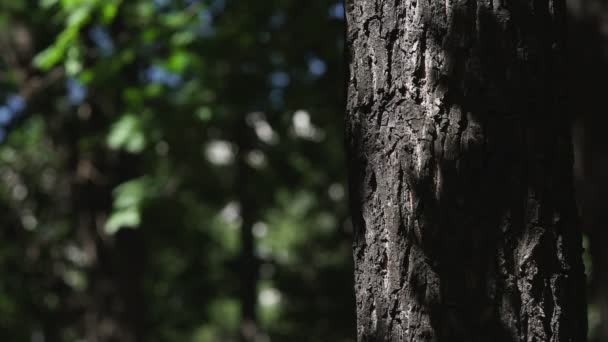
x: 505, y: 203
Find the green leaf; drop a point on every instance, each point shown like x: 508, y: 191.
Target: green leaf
x: 128, y: 199
x: 109, y: 11
x: 75, y: 278
x: 136, y: 143
x: 121, y: 130
x: 47, y: 3
x: 86, y: 76
x: 203, y: 114
x: 48, y: 58
x: 73, y: 64
x: 129, y: 194
x: 175, y: 20
x: 145, y: 9
x: 182, y: 38
x: 178, y: 61
x: 132, y: 96
x: 78, y: 17
x: 153, y: 90
x: 225, y: 312
x: 127, y: 133
x: 206, y: 333
x: 52, y: 55
x: 126, y: 218
x: 70, y: 4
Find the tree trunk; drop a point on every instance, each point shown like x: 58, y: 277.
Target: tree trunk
x: 588, y: 71
x: 461, y: 172
x: 249, y: 267
x: 111, y: 304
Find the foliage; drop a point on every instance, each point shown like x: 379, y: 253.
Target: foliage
x: 136, y: 135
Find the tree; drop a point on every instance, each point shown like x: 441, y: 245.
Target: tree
x: 460, y: 168
x: 588, y: 69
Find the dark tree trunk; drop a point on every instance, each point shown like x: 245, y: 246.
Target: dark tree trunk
x: 588, y: 72
x: 461, y: 184
x: 249, y: 266
x: 111, y: 304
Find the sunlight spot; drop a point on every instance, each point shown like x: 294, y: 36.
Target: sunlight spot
x: 260, y: 229
x: 336, y: 191
x: 220, y: 152
x: 303, y: 127
x: 263, y: 252
x: 262, y: 128
x: 29, y: 221
x: 256, y: 159
x: 19, y: 192
x: 77, y: 255
x: 231, y: 213
x: 269, y: 297
x: 301, y: 121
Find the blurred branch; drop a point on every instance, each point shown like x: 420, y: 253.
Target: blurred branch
x: 36, y: 84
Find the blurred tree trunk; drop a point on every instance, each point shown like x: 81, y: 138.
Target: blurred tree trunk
x: 111, y: 301
x: 249, y: 273
x: 461, y: 172
x: 588, y: 72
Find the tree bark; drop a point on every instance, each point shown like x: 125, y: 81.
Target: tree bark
x: 461, y: 172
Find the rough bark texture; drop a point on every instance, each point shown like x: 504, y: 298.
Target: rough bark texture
x: 460, y: 162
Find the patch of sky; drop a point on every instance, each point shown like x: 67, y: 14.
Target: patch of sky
x: 102, y: 39
x: 279, y: 79
x: 15, y: 103
x: 337, y: 11
x: 316, y: 66
x: 77, y: 91
x: 206, y: 22
x: 158, y: 74
x: 6, y: 115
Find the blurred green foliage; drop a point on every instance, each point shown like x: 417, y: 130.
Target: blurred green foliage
x: 140, y: 137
